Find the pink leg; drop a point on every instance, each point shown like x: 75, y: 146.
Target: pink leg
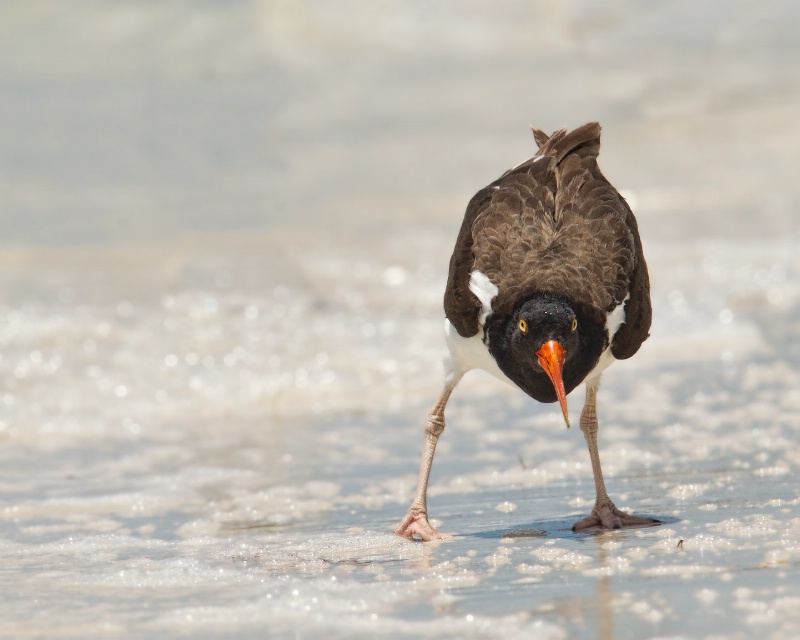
x: 605, y: 514
x: 416, y: 522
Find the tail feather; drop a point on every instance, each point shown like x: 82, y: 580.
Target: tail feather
x: 540, y: 136
x: 562, y: 143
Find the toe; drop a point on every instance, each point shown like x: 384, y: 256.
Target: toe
x: 629, y: 520
x: 587, y: 523
x: 417, y: 525
x: 607, y: 516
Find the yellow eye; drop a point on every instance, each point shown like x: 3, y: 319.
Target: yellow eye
x: 523, y: 326
x: 574, y: 324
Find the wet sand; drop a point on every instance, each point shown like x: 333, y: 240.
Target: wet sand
x: 224, y: 243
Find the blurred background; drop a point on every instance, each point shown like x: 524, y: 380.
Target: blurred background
x: 140, y: 122
x: 224, y: 236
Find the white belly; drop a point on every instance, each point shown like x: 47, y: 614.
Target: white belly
x: 606, y: 360
x: 469, y: 353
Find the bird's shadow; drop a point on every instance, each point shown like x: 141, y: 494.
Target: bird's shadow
x: 561, y: 528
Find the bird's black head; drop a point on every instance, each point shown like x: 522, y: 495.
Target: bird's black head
x: 538, y: 321
x: 542, y: 335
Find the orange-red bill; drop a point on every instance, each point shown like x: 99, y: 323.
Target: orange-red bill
x: 551, y: 358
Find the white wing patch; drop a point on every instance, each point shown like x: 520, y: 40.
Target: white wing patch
x: 616, y: 318
x: 484, y: 290
x: 614, y: 321
x: 472, y: 353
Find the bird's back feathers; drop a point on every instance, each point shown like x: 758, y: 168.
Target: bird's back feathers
x: 552, y: 224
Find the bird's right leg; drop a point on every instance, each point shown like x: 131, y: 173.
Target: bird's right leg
x: 605, y: 513
x: 416, y: 522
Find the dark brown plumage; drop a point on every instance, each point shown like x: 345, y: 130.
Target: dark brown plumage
x: 552, y: 220
x: 546, y: 265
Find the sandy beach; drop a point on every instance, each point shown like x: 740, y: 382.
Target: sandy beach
x: 224, y: 238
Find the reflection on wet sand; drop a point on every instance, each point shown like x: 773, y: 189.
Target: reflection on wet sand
x: 223, y: 245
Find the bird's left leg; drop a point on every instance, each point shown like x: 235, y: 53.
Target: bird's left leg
x: 605, y: 513
x: 415, y: 522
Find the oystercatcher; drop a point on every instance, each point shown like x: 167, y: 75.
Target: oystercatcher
x: 547, y: 287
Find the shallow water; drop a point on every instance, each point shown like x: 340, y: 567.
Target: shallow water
x: 172, y: 466
x: 224, y: 244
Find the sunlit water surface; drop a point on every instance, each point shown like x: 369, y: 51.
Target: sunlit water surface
x: 222, y: 264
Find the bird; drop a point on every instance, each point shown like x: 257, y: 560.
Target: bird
x: 547, y: 287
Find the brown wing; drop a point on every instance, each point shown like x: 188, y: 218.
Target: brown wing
x: 551, y: 225
x: 638, y: 311
x: 477, y: 241
x: 461, y: 307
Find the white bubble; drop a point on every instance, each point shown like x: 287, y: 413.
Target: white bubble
x: 394, y: 276
x: 506, y: 507
x: 251, y: 312
x: 706, y: 595
x: 775, y: 295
